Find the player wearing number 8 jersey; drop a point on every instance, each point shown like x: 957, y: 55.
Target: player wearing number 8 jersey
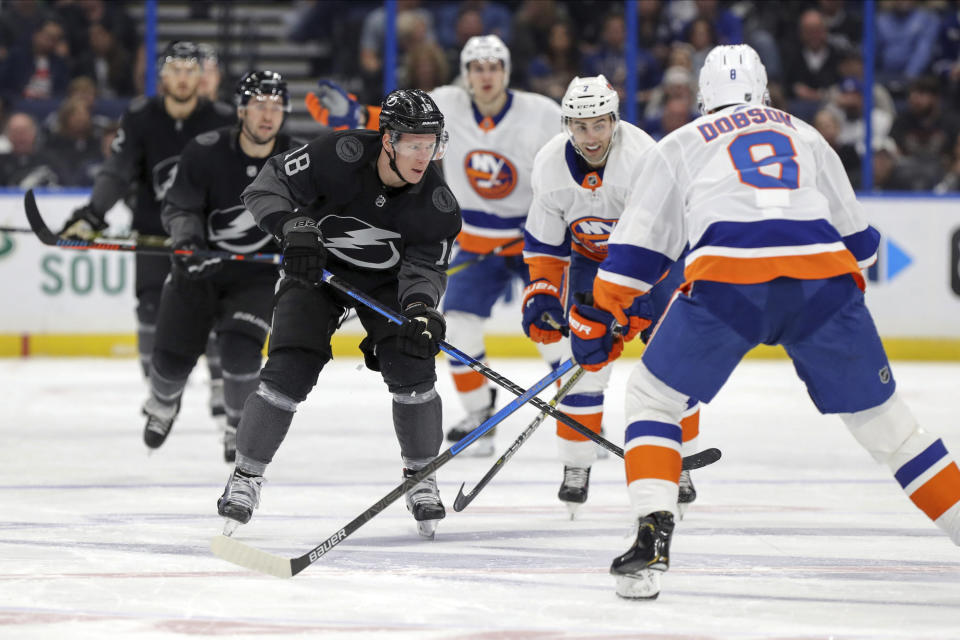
x: 777, y: 240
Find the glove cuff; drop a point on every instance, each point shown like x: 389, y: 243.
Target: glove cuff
x: 540, y: 287
x: 299, y: 223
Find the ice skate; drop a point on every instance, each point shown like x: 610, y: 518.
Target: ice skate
x: 687, y: 493
x: 638, y: 570
x: 229, y: 444
x: 240, y: 497
x: 160, y: 417
x: 423, y: 501
x: 483, y: 446
x: 573, y: 490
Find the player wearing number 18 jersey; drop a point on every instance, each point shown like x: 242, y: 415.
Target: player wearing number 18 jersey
x: 776, y: 243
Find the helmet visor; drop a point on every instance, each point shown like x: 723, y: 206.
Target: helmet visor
x: 409, y: 148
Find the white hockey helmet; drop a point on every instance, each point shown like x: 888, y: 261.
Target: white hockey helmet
x: 588, y: 98
x: 732, y: 74
x: 489, y: 47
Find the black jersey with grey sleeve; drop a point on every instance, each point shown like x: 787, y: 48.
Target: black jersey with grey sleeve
x: 145, y: 153
x: 372, y: 233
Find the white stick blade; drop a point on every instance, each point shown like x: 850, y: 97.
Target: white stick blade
x: 246, y: 556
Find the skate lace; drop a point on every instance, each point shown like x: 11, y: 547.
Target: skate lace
x: 245, y: 491
x: 575, y: 476
x: 425, y: 492
x: 685, y: 482
x: 158, y: 425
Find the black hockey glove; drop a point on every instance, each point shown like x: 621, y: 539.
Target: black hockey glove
x: 83, y: 224
x: 304, y: 255
x: 194, y: 267
x: 420, y: 337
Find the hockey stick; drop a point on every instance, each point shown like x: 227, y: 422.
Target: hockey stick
x: 138, y: 238
x: 474, y: 364
x: 483, y: 256
x: 695, y: 461
x: 244, y: 555
x: 462, y: 500
x: 460, y: 267
x: 48, y: 237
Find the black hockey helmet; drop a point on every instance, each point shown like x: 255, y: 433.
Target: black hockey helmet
x: 261, y: 83
x: 410, y: 111
x: 180, y: 50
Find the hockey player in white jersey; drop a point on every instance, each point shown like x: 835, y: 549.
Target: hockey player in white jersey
x: 581, y: 179
x: 495, y: 132
x: 777, y: 240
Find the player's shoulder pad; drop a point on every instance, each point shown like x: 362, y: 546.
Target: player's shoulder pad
x: 351, y: 147
x: 138, y: 104
x: 224, y: 109
x: 208, y: 138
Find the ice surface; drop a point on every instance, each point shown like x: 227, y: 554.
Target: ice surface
x: 796, y: 532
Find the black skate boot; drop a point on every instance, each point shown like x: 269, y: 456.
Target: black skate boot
x: 687, y: 492
x: 573, y: 490
x: 423, y: 501
x: 638, y: 570
x: 240, y: 497
x: 230, y: 444
x: 160, y: 417
x: 483, y: 447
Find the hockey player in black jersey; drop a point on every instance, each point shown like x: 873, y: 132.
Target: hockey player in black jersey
x: 153, y: 132
x: 371, y: 208
x: 203, y: 210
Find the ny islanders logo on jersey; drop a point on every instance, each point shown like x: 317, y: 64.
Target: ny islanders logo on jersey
x: 490, y: 174
x: 235, y: 230
x: 592, y: 233
x: 357, y: 242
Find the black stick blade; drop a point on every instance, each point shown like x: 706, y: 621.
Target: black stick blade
x: 39, y: 227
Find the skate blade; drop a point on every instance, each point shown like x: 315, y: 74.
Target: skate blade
x: 682, y: 509
x: 573, y: 508
x: 644, y: 585
x: 427, y: 528
x: 229, y: 526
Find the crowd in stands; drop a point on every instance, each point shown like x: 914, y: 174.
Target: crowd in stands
x: 67, y: 68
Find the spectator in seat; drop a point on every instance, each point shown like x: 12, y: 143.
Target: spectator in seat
x: 811, y: 69
x: 75, y: 145
x: 26, y: 166
x: 551, y: 72
x: 107, y: 63
x: 906, y: 36
x: 924, y: 132
x: 42, y: 71
x: 827, y: 122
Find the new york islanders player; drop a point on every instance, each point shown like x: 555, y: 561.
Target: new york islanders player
x: 153, y: 132
x: 202, y: 210
x: 495, y: 132
x: 581, y: 179
x: 777, y: 242
x: 374, y: 210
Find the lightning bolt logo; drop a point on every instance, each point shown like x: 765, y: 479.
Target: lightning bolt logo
x: 354, y: 245
x: 234, y: 229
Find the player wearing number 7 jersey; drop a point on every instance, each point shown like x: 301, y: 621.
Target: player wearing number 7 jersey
x: 776, y: 242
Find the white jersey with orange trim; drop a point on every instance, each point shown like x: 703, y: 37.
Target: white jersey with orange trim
x: 575, y: 207
x: 489, y: 161
x: 753, y: 192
